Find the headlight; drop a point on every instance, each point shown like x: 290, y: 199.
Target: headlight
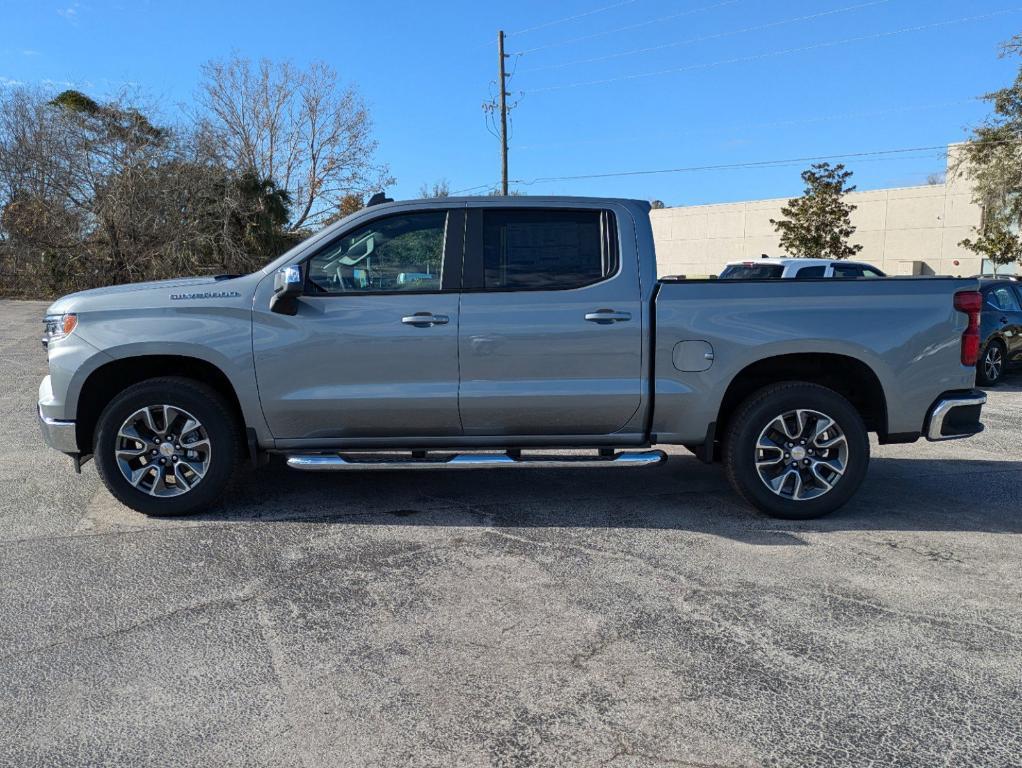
x: 56, y: 327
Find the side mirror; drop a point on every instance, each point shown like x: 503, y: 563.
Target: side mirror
x: 288, y: 285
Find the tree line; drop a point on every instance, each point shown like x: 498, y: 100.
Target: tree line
x: 101, y: 191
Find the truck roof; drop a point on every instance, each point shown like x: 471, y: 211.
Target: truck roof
x: 785, y: 260
x: 520, y: 200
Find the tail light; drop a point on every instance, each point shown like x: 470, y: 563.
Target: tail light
x: 970, y: 302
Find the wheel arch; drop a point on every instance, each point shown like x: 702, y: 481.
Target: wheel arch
x: 846, y: 375
x: 997, y: 337
x: 110, y: 378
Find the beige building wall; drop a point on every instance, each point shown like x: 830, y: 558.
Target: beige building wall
x: 903, y: 230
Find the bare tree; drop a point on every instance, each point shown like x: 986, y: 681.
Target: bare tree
x: 95, y: 193
x: 440, y: 188
x: 298, y: 128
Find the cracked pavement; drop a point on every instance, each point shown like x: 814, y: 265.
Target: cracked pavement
x: 549, y: 618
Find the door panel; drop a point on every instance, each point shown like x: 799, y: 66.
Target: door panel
x: 349, y: 367
x: 369, y: 354
x: 531, y: 363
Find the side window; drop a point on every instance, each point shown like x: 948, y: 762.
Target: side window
x: 397, y: 253
x: 1003, y: 297
x: 819, y: 271
x: 534, y: 250
x: 847, y: 270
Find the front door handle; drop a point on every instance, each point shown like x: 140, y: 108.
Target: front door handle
x: 425, y: 319
x: 607, y: 316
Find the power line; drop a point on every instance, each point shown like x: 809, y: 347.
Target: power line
x: 747, y: 126
x: 492, y: 185
x: 566, y: 19
x: 771, y: 54
x: 629, y: 27
x: 729, y: 166
x: 754, y: 164
x: 703, y: 38
x: 940, y: 153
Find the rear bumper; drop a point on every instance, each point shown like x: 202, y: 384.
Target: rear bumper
x: 955, y: 414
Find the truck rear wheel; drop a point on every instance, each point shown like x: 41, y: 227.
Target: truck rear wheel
x: 167, y: 446
x: 796, y: 450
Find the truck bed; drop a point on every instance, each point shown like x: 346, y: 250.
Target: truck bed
x: 905, y: 329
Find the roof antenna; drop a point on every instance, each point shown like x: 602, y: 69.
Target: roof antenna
x: 379, y: 198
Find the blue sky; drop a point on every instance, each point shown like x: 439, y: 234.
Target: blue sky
x: 697, y: 82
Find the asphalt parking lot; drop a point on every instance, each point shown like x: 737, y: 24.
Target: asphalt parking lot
x: 550, y: 618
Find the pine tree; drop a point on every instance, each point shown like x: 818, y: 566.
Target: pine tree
x: 818, y: 224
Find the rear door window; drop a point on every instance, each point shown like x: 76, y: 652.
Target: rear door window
x: 1003, y: 297
x: 847, y: 270
x: 536, y: 250
x: 818, y: 271
x: 752, y: 271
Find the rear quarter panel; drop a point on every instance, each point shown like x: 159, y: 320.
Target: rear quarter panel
x: 905, y: 329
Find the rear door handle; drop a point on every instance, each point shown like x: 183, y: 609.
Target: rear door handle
x: 425, y: 319
x: 607, y: 316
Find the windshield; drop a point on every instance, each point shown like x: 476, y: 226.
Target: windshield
x: 752, y: 272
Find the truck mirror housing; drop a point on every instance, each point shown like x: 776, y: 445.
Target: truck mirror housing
x: 288, y: 285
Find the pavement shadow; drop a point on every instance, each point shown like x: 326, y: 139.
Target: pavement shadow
x: 682, y: 494
x: 1011, y: 382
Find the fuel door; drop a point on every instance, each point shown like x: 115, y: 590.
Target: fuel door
x: 693, y: 356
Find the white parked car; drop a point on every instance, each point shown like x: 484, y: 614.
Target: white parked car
x: 777, y: 268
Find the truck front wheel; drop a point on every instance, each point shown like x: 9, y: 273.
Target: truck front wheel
x: 167, y: 446
x: 796, y: 450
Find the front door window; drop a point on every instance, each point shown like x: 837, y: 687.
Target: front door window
x: 395, y: 254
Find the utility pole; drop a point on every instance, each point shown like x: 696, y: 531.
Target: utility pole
x: 502, y: 82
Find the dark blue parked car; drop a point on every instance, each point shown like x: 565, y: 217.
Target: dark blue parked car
x: 1000, y: 329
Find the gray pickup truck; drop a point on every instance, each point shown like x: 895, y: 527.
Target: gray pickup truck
x: 468, y: 333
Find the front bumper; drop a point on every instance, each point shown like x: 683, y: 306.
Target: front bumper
x: 955, y: 414
x: 58, y: 434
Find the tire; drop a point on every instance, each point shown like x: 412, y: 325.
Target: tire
x: 186, y: 475
x: 990, y: 367
x: 831, y: 462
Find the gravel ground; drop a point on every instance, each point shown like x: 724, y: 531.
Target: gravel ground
x: 554, y: 618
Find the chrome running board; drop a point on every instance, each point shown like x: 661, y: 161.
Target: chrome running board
x: 334, y: 462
